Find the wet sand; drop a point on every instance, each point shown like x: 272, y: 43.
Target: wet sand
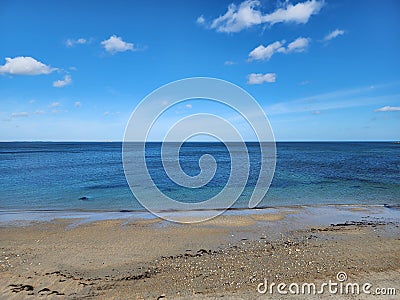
x: 228, y: 256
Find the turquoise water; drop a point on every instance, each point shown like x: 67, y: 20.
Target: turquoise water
x: 54, y: 176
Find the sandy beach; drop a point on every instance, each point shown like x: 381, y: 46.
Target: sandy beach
x: 226, y: 257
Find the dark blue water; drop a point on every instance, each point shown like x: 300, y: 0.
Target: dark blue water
x: 53, y: 176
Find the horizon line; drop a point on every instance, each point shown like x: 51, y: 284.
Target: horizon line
x: 159, y: 141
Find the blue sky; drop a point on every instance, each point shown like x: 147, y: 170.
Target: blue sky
x: 321, y: 70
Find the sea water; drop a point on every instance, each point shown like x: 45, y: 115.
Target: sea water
x: 56, y: 175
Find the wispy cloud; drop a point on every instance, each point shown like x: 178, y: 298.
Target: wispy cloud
x: 304, y: 82
x: 73, y: 42
x: 61, y: 83
x: 115, y: 44
x: 108, y: 113
x: 229, y: 63
x: 333, y: 34
x: 19, y: 115
x: 248, y: 14
x: 258, y: 78
x: 55, y: 104
x: 58, y: 111
x: 77, y: 104
x: 388, y: 108
x: 266, y: 52
x: 335, y: 100
x: 200, y: 20
x: 25, y: 65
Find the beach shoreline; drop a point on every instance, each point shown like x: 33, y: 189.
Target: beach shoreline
x: 25, y: 217
x: 147, y: 258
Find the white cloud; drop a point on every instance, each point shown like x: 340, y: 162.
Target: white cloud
x: 115, y: 44
x: 77, y: 104
x: 316, y: 112
x: 248, y: 14
x: 299, y: 13
x: 61, y: 83
x: 261, y: 52
x: 388, y: 108
x: 305, y: 82
x: 58, y: 111
x: 39, y: 112
x: 188, y: 106
x: 55, y: 104
x: 333, y: 34
x: 229, y: 63
x: 200, y: 20
x: 19, y: 114
x: 298, y: 45
x: 25, y: 65
x: 107, y: 113
x: 266, y: 52
x: 73, y: 42
x: 32, y: 101
x: 238, y: 18
x: 258, y: 78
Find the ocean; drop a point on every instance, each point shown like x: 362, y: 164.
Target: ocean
x: 52, y: 176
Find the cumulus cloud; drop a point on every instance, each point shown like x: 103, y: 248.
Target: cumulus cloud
x: 24, y: 65
x: 77, y: 104
x: 73, y: 42
x: 115, y: 44
x: 299, y: 13
x: 333, y: 34
x: 388, y: 108
x: 266, y: 52
x: 61, y: 83
x: 248, y: 14
x: 39, y: 112
x: 238, y: 18
x: 261, y: 52
x: 258, y: 78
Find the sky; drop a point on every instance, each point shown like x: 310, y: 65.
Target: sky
x: 320, y: 70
